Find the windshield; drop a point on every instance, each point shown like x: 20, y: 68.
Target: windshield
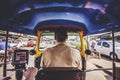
x: 117, y: 44
x: 47, y: 40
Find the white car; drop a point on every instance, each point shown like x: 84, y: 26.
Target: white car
x: 106, y: 48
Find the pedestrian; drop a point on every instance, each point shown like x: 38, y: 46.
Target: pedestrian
x: 10, y: 50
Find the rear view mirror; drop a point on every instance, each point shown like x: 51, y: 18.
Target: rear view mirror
x: 32, y: 52
x: 88, y: 52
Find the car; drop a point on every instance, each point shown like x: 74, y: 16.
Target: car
x: 30, y: 44
x: 22, y: 43
x: 106, y: 48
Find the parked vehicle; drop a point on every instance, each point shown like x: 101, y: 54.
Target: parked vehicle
x: 106, y: 48
x: 31, y: 44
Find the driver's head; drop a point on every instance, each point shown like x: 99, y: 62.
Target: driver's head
x: 61, y: 34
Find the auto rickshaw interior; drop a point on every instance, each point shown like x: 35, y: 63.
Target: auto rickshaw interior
x: 46, y: 36
x: 85, y: 17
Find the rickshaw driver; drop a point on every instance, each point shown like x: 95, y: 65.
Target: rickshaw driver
x: 60, y: 55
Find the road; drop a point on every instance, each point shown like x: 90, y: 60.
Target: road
x: 99, y: 63
x: 106, y: 63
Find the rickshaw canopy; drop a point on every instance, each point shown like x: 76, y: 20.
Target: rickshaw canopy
x: 90, y: 16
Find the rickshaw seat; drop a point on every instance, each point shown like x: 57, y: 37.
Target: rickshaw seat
x: 59, y: 73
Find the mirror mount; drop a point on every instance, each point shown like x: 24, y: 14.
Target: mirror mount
x: 88, y: 52
x: 32, y: 52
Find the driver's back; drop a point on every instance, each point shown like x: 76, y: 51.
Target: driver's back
x: 61, y: 55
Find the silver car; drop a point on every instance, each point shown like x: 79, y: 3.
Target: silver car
x: 106, y: 48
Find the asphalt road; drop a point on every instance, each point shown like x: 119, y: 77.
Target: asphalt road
x: 107, y: 63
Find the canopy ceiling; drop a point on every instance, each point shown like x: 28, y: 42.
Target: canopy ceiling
x: 91, y: 16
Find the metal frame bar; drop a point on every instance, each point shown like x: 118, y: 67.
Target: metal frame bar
x: 114, y: 66
x: 98, y: 69
x: 5, y: 62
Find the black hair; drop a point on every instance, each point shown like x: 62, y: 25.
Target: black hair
x: 61, y: 34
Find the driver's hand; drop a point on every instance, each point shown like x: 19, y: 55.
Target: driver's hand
x: 30, y: 73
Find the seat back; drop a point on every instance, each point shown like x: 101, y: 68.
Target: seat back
x: 58, y: 73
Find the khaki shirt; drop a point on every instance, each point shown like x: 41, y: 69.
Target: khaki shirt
x: 61, y: 55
